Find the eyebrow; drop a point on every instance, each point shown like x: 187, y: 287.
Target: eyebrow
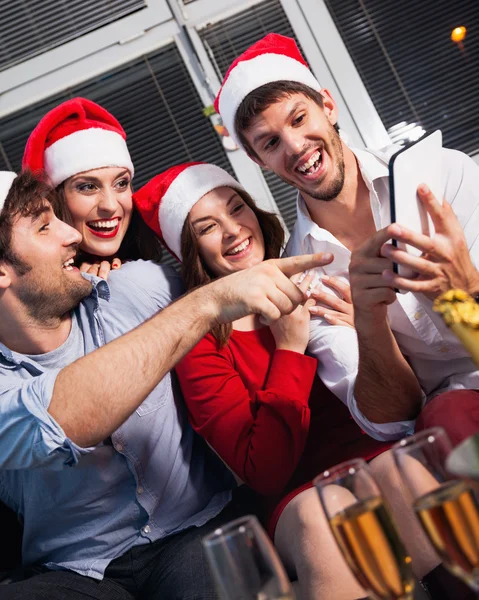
x: 40, y: 212
x: 201, y: 219
x: 92, y: 178
x: 235, y: 193
x: 260, y: 136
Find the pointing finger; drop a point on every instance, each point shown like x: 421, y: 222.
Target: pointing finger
x: 373, y: 246
x: 295, y: 264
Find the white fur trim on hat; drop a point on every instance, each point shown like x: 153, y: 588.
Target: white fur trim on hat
x: 251, y: 74
x: 6, y: 180
x: 185, y: 191
x: 84, y: 150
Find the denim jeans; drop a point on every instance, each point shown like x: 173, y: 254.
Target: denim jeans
x: 174, y: 568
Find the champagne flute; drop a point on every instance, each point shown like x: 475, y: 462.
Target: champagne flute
x: 244, y: 563
x: 364, y: 531
x: 447, y: 508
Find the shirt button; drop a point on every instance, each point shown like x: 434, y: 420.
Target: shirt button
x: 140, y: 490
x: 146, y: 529
x: 118, y: 447
x: 444, y: 349
x: 417, y: 315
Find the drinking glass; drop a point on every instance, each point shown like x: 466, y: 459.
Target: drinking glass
x: 447, y: 507
x: 364, y: 531
x: 244, y: 563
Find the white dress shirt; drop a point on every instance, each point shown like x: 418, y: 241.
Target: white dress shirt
x: 438, y: 359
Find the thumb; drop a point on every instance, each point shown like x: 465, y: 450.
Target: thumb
x: 295, y: 264
x: 309, y: 303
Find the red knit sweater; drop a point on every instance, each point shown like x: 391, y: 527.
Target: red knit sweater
x: 266, y: 413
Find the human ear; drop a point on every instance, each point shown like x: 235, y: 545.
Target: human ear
x: 329, y: 106
x: 257, y: 160
x: 5, y: 275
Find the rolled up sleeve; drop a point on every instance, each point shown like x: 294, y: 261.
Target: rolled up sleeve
x: 336, y: 348
x: 29, y: 436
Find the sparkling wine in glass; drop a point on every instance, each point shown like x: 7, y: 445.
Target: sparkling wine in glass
x: 447, y: 508
x: 364, y: 531
x: 245, y: 564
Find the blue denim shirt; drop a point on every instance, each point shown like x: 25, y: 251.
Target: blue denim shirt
x: 83, y: 507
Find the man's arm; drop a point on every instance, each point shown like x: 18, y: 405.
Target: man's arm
x: 386, y: 388
x: 93, y: 396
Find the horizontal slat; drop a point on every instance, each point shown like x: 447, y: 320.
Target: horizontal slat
x: 30, y: 27
x: 227, y: 39
x: 411, y: 68
x: 163, y: 128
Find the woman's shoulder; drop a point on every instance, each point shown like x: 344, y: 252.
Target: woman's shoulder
x: 139, y: 266
x: 159, y: 283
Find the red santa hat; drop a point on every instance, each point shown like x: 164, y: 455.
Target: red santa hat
x: 6, y: 180
x: 166, y: 200
x: 273, y: 58
x: 76, y: 136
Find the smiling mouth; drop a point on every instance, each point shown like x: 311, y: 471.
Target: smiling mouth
x: 312, y: 166
x: 104, y: 228
x: 239, y: 248
x: 68, y: 265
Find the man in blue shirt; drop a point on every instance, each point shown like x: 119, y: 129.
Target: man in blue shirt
x: 97, y: 458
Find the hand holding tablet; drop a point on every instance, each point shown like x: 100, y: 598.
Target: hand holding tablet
x: 419, y: 162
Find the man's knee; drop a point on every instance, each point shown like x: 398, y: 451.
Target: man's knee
x: 457, y: 411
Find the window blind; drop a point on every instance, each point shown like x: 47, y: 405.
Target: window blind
x: 30, y: 27
x: 154, y: 99
x: 416, y: 75
x: 224, y: 41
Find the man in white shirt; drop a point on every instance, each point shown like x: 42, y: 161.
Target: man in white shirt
x: 400, y: 352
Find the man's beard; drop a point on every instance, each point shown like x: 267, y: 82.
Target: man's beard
x: 47, y: 301
x: 333, y: 190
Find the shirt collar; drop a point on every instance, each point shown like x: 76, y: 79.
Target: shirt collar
x: 373, y: 165
x: 100, y: 290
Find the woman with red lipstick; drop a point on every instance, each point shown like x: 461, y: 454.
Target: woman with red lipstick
x: 83, y: 150
x: 251, y: 391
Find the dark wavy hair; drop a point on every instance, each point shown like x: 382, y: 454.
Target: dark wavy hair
x: 195, y: 272
x: 26, y: 198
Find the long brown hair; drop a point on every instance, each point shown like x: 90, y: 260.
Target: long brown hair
x: 195, y: 272
x: 139, y: 242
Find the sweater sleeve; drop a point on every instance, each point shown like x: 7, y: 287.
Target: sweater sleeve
x: 260, y: 436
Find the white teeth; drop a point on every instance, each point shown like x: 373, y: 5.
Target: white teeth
x: 104, y: 224
x: 68, y: 264
x: 239, y: 248
x: 314, y: 158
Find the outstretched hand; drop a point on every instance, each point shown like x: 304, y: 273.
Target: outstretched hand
x: 265, y: 289
x: 445, y: 262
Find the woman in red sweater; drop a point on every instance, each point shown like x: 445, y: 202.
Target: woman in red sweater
x: 251, y: 391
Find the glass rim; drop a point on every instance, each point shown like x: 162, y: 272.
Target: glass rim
x: 340, y: 470
x: 421, y: 439
x: 231, y: 528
